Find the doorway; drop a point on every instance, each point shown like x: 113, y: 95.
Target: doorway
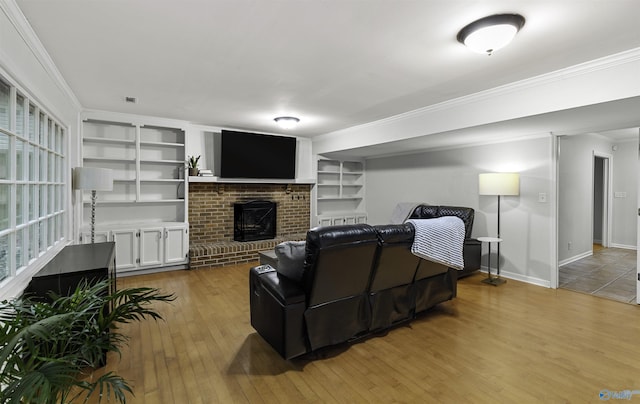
x: 601, y: 193
x: 596, y: 244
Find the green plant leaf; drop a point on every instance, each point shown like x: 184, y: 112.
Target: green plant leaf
x: 45, y: 346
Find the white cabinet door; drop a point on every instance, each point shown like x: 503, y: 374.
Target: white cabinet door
x: 176, y: 242
x: 151, y: 243
x: 126, y: 248
x: 324, y: 221
x: 337, y: 221
x: 99, y: 237
x: 349, y: 220
x: 361, y: 219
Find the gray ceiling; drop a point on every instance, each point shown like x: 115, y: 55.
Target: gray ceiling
x: 333, y: 63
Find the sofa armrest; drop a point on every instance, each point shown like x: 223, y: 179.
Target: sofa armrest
x: 283, y: 289
x: 277, y: 307
x: 472, y: 252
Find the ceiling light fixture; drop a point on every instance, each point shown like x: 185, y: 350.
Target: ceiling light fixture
x: 491, y: 33
x: 287, y: 122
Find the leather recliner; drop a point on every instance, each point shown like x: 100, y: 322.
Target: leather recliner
x: 337, y: 269
x: 392, y: 294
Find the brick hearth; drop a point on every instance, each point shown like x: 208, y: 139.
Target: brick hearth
x: 211, y: 241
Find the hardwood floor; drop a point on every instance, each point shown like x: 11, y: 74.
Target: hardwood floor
x: 516, y: 343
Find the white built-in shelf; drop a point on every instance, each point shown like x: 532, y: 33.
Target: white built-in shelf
x: 160, y: 201
x: 162, y: 144
x: 99, y: 202
x: 161, y: 180
x: 131, y: 201
x: 109, y: 159
x: 107, y: 140
x: 347, y: 212
x: 251, y: 180
x: 147, y: 162
x: 340, y: 191
x: 161, y: 161
x: 339, y: 198
x: 131, y: 224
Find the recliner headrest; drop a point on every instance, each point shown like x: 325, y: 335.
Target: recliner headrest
x: 328, y: 236
x: 395, y: 233
x: 433, y: 211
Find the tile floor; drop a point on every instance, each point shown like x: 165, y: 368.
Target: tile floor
x: 608, y: 273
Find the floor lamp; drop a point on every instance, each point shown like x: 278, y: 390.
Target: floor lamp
x: 93, y: 179
x: 499, y: 184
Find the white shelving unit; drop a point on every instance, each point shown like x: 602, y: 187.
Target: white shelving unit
x: 340, y: 192
x: 146, y: 213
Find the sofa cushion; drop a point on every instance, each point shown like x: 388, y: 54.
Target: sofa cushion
x: 338, y: 252
x: 290, y: 256
x: 425, y: 211
x: 434, y: 211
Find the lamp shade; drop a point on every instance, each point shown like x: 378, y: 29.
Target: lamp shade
x: 94, y: 179
x: 499, y: 184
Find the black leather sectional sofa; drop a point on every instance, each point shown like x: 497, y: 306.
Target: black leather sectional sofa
x: 355, y: 280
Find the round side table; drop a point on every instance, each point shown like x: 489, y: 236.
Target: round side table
x: 495, y: 281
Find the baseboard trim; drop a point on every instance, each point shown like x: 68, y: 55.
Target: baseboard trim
x: 146, y: 271
x: 575, y: 258
x: 519, y: 277
x: 624, y: 246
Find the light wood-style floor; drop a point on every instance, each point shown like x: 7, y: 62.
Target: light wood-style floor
x: 516, y: 343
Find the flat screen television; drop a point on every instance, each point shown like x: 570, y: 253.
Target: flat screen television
x: 254, y: 155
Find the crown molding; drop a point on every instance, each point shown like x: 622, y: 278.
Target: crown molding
x: 26, y: 32
x: 133, y: 119
x: 607, y: 62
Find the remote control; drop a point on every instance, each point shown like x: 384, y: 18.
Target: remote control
x: 262, y: 269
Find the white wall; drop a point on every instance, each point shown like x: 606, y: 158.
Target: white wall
x: 451, y: 177
x: 575, y: 190
x: 625, y: 179
x: 32, y: 70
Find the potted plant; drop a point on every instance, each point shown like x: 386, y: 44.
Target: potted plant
x: 192, y: 163
x: 49, y: 350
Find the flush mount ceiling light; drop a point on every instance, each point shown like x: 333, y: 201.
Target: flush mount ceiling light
x: 287, y: 122
x: 491, y: 33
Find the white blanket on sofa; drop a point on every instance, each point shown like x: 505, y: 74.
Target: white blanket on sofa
x: 439, y: 240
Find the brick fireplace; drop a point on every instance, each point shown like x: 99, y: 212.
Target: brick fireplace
x: 211, y: 215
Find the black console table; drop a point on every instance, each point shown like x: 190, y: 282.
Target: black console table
x: 93, y: 262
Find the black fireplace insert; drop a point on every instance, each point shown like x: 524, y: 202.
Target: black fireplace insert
x: 254, y: 220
